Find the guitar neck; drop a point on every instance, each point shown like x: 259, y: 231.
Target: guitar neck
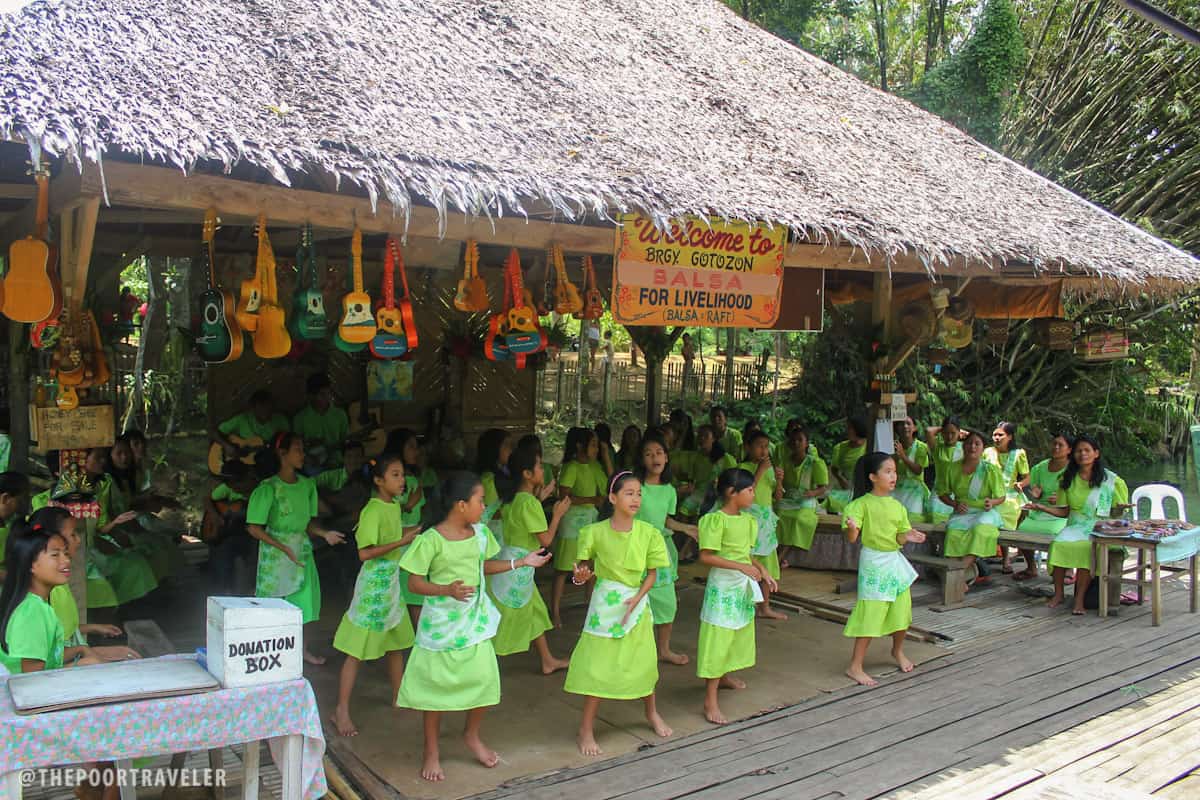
x: 389, y: 274
x: 356, y: 257
x: 43, y: 203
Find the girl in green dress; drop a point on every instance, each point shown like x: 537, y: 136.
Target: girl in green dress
x: 768, y: 489
x: 730, y: 438
x: 727, y: 537
x: 708, y: 461
x: 974, y: 489
x: 412, y: 501
x: 583, y: 480
x: 659, y: 500
x: 62, y: 600
x: 846, y: 454
x: 453, y: 665
x: 376, y: 624
x: 1088, y: 491
x: 281, y: 515
x: 117, y: 572
x: 494, y: 448
x: 616, y: 658
x: 1044, y: 478
x: 945, y: 450
x: 631, y: 448
x: 1014, y: 468
x: 805, y: 481
x: 884, y: 605
x: 912, y: 457
x: 523, y: 616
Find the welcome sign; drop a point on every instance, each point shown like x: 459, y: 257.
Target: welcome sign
x: 699, y: 272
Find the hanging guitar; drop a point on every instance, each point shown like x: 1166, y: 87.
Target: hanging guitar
x: 495, y: 342
x: 524, y: 336
x: 308, y: 307
x: 220, y: 338
x: 249, y: 300
x: 405, y: 302
x: 472, y: 291
x: 546, y: 306
x: 357, y: 325
x: 28, y: 294
x: 593, y: 303
x: 566, y: 296
x: 271, y: 338
x: 389, y: 341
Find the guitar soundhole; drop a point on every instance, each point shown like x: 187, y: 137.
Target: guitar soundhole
x: 316, y: 305
x: 212, y: 314
x: 359, y: 308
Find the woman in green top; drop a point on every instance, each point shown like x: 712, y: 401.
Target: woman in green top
x: 912, y: 457
x: 768, y: 489
x: 1088, y: 491
x: 523, y: 616
x: 884, y: 604
x: 846, y: 454
x: 583, y: 480
x: 1014, y: 468
x: 60, y: 521
x: 123, y: 571
x: 659, y: 500
x: 376, y: 624
x: 1044, y: 479
x: 322, y: 426
x: 805, y: 481
x: 708, y: 461
x: 974, y: 489
x: 281, y: 515
x: 631, y: 448
x: 730, y: 438
x: 616, y: 658
x: 453, y: 665
x: 945, y: 450
x: 727, y: 537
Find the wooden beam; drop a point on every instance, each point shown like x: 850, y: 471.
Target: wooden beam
x: 911, y: 346
x: 67, y: 190
x: 78, y: 230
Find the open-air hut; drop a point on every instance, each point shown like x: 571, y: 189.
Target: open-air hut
x: 517, y: 124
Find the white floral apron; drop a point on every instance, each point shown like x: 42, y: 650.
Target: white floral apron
x: 278, y: 575
x: 575, y: 519
x: 512, y: 589
x: 450, y: 624
x: 964, y: 522
x: 607, y: 609
x: 794, y: 499
x: 767, y: 541
x: 912, y: 492
x: 729, y: 599
x: 1098, y: 504
x: 883, y: 574
x: 378, y: 604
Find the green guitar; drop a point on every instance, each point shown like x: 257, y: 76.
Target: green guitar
x: 308, y: 317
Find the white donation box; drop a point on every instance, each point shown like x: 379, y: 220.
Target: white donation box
x: 254, y: 640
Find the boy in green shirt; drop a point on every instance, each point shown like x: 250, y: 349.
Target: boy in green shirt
x: 323, y: 425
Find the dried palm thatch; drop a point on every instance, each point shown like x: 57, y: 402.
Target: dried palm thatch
x: 587, y: 106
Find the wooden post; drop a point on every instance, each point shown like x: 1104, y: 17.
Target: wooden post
x: 18, y: 396
x: 881, y: 318
x: 730, y: 349
x: 775, y: 393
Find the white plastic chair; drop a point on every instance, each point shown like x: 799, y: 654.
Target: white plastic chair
x: 1156, y: 493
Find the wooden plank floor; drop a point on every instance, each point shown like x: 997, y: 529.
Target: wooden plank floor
x: 988, y: 698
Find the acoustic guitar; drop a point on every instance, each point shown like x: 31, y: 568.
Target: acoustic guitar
x: 212, y: 526
x: 593, y: 303
x: 28, y: 294
x: 472, y: 291
x: 249, y: 300
x: 405, y: 302
x: 389, y: 341
x: 308, y: 308
x: 220, y: 338
x: 357, y: 325
x: 566, y: 296
x: 248, y: 450
x: 523, y: 315
x: 271, y: 338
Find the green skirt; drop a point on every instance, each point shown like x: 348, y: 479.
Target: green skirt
x: 100, y: 593
x: 1042, y: 523
x: 520, y: 626
x: 663, y: 603
x: 615, y: 669
x: 1010, y: 512
x: 722, y: 650
x: 979, y: 540
x: 1070, y: 555
x: 771, y: 562
x: 365, y: 645
x: 410, y: 597
x: 872, y: 618
x: 797, y: 527
x: 308, y: 597
x: 127, y: 571
x: 451, y: 680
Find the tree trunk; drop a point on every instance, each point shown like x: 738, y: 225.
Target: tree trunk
x: 879, y: 10
x: 18, y: 396
x: 654, y: 366
x: 730, y: 365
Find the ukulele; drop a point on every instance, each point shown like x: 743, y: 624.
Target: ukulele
x: 220, y: 338
x: 271, y: 338
x: 249, y: 300
x: 28, y: 294
x: 357, y: 325
x: 593, y: 304
x: 472, y: 291
x: 389, y: 341
x: 211, y: 526
x: 405, y: 303
x: 308, y: 308
x: 522, y: 316
x: 566, y: 296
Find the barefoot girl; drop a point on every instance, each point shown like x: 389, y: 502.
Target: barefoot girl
x: 658, y: 508
x: 973, y: 488
x: 491, y: 462
x: 616, y: 657
x: 1044, y: 479
x: 727, y: 537
x: 583, y: 480
x: 453, y: 665
x: 912, y: 457
x: 846, y: 454
x: 1014, y: 468
x: 282, y: 516
x: 523, y: 617
x: 805, y: 481
x: 945, y: 449
x: 1087, y: 492
x: 884, y: 605
x: 768, y: 488
x: 376, y: 624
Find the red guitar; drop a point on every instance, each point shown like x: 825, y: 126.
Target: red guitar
x: 405, y: 303
x: 389, y: 341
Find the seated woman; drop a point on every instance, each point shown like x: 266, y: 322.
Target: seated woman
x: 973, y: 488
x: 1087, y: 492
x: 846, y: 454
x: 117, y: 489
x: 945, y: 450
x: 1014, y: 468
x: 1044, y: 479
x: 912, y: 457
x: 805, y: 480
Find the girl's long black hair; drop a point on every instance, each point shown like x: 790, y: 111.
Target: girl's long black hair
x: 524, y: 457
x: 577, y: 442
x: 487, y: 454
x: 639, y: 467
x: 397, y: 440
x: 125, y: 479
x: 1011, y: 429
x: 457, y: 486
x: 867, y: 466
x: 687, y: 431
x: 860, y: 426
x: 1098, y: 467
x: 718, y: 449
x: 730, y: 481
x: 27, y: 539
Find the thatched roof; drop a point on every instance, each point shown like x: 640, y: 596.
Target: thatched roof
x: 588, y: 106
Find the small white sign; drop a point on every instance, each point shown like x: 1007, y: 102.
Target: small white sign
x: 899, y: 409
x: 254, y: 640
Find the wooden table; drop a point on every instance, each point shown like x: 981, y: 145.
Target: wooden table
x: 1157, y: 554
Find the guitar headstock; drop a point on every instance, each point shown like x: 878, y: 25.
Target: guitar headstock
x: 306, y: 236
x: 210, y: 225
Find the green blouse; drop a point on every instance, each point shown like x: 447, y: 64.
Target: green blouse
x: 443, y: 561
x: 730, y: 537
x: 622, y: 556
x: 523, y: 519
x: 282, y: 506
x: 33, y: 633
x: 958, y: 485
x: 879, y: 519
x: 658, y: 503
x: 379, y: 523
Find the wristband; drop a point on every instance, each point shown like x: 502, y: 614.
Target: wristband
x: 512, y: 565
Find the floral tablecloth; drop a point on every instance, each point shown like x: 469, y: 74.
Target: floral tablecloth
x: 167, y: 725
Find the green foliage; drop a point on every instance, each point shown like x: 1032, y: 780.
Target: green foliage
x: 972, y: 87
